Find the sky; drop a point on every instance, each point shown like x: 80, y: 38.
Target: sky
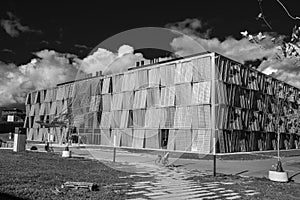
x: 50, y: 37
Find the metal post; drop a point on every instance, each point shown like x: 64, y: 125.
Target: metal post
x: 278, y: 127
x: 213, y: 117
x: 114, y: 156
x: 114, y: 153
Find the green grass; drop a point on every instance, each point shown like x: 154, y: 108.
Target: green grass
x: 34, y: 175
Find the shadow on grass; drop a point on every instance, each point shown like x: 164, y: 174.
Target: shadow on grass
x: 242, y: 172
x: 291, y: 177
x: 9, y: 197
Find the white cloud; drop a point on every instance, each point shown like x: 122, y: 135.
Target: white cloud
x: 268, y: 50
x: 109, y: 62
x: 51, y: 67
x: 46, y: 71
x: 13, y: 26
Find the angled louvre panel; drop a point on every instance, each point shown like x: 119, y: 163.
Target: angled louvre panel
x: 207, y: 89
x: 27, y: 100
x: 151, y: 137
x: 140, y: 99
x: 33, y: 96
x: 92, y: 104
x: 168, y: 96
x: 201, y: 93
x: 129, y: 81
x: 117, y: 101
x: 183, y: 72
x: 149, y: 118
x: 153, y: 97
x: 171, y: 140
x: 117, y: 82
x: 32, y: 109
x: 106, y: 102
x: 59, y: 107
x: 179, y: 117
x: 137, y: 99
x: 116, y: 119
x: 167, y: 74
x: 42, y: 109
x: 183, y: 140
x: 127, y: 135
x: 106, y: 85
x: 126, y: 82
x: 26, y: 123
x: 178, y: 73
x: 201, y: 141
x: 154, y: 77
x: 37, y: 98
x: 142, y: 79
x: 73, y: 89
x: 124, y: 119
x: 65, y: 107
x: 138, y: 138
x: 143, y: 99
x: 170, y: 115
x: 139, y: 118
x: 128, y: 99
x: 35, y: 119
x: 183, y: 94
x: 54, y: 93
x: 207, y: 68
x: 207, y: 116
x: 60, y: 93
x: 163, y: 118
x: 105, y: 120
x: 48, y: 95
x: 28, y: 108
x: 53, y: 108
x: 116, y: 137
x: 95, y: 86
x: 96, y: 120
x: 66, y: 92
x: 105, y: 137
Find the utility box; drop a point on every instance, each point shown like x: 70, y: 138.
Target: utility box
x: 19, y: 139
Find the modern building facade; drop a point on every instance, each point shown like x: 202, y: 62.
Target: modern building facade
x: 203, y: 103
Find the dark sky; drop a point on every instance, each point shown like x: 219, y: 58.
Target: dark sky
x: 65, y: 25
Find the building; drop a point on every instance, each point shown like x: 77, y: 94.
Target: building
x: 183, y: 104
x: 11, y: 118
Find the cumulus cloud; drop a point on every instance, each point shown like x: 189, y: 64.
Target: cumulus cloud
x: 191, y: 26
x: 48, y: 69
x: 13, y: 26
x: 268, y: 50
x: 196, y: 39
x: 109, y: 62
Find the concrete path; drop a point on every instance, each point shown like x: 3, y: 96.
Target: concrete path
x: 173, y: 184
x: 253, y: 168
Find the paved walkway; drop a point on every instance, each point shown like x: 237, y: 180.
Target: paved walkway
x: 173, y: 183
x: 252, y: 168
x: 167, y: 183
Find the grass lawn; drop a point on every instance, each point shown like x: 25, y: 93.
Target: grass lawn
x: 34, y: 175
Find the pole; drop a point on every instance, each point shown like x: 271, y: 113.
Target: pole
x: 114, y: 153
x: 278, y: 131
x: 213, y: 112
